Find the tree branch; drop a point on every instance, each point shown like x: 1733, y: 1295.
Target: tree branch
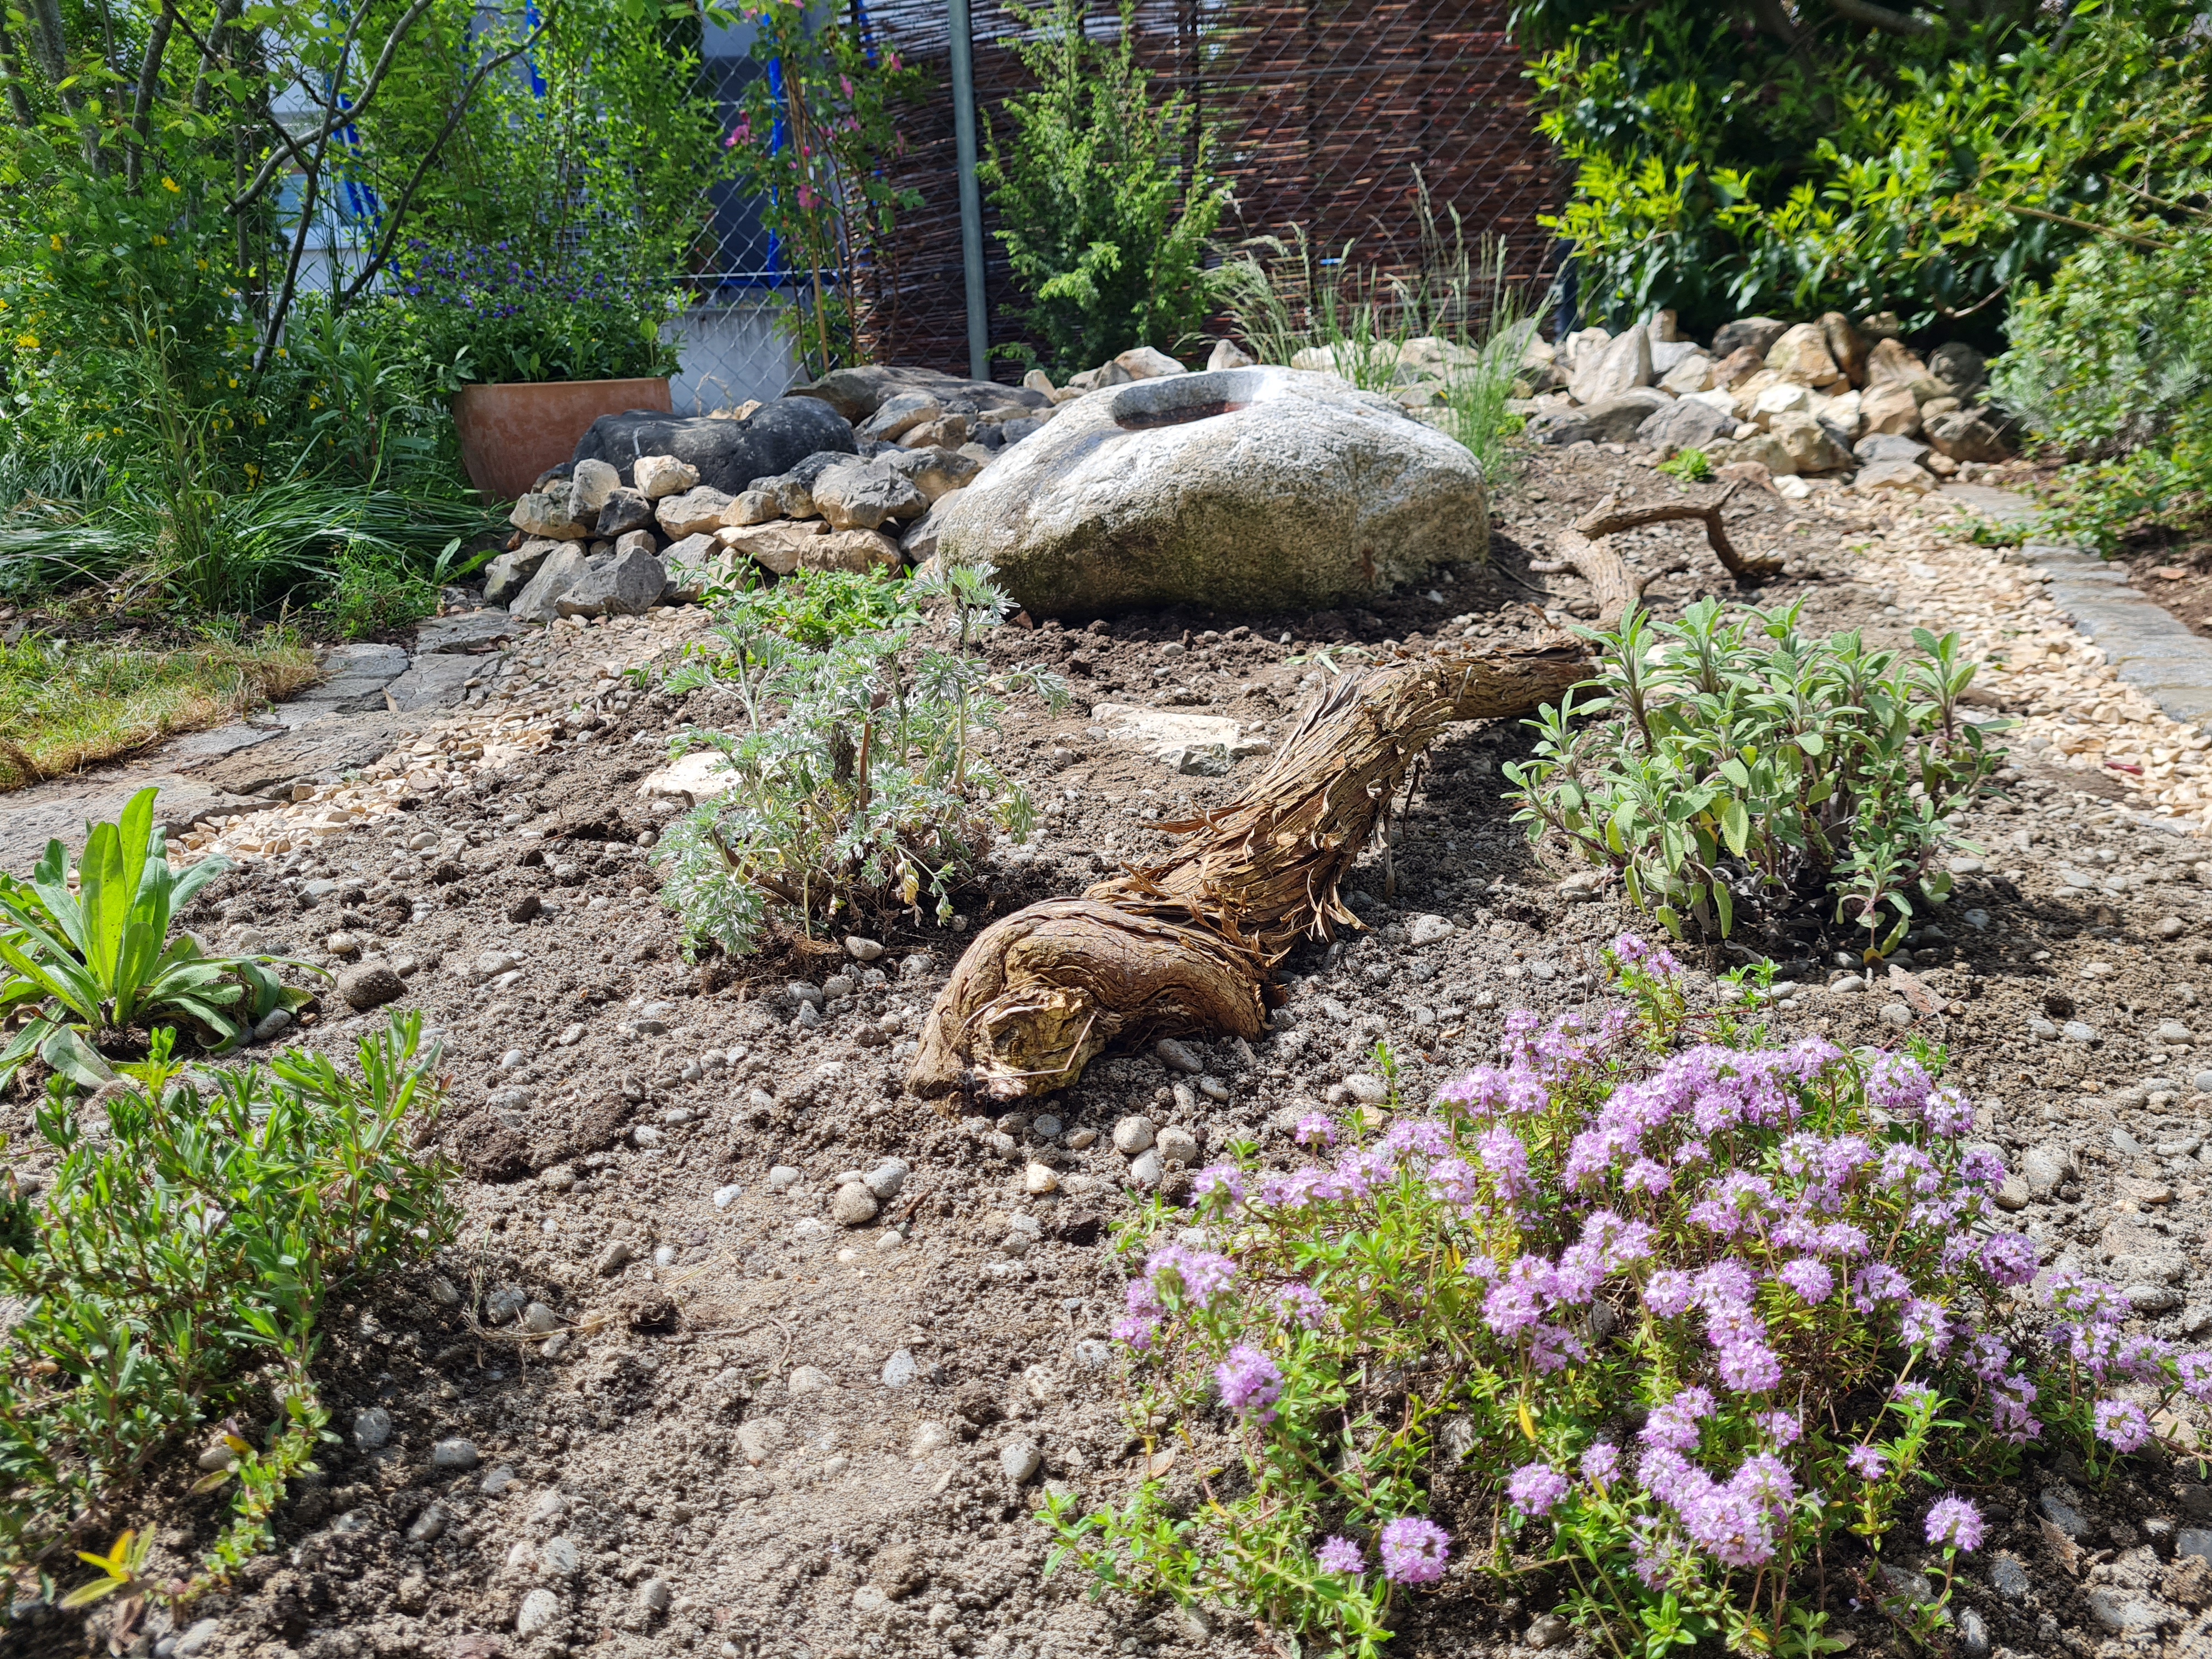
x: 396, y: 215
x: 11, y: 71
x: 149, y: 81
x: 335, y: 117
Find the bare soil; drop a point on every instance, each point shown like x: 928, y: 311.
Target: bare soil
x: 716, y: 1417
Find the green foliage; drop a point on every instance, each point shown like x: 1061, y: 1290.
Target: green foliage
x: 1689, y: 465
x: 94, y: 962
x: 1576, y: 1311
x: 1795, y: 167
x: 1737, y: 770
x: 812, y: 144
x: 1455, y: 320
x: 857, y: 787
x: 173, y: 1273
x: 2111, y: 363
x: 1104, y: 213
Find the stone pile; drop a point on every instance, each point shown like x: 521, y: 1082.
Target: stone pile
x: 1804, y: 407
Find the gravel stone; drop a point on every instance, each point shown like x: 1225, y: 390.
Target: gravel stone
x: 1020, y: 1460
x: 2075, y: 1030
x: 809, y: 1379
x: 900, y: 1370
x: 612, y: 1260
x: 1427, y: 930
x: 1145, y: 1169
x: 2010, y: 1579
x: 370, y: 985
x: 454, y: 1453
x: 862, y: 950
x: 372, y: 1428
x: 854, y: 1207
x: 539, y: 1613
x: 2174, y: 1032
x: 2063, y: 1516
x: 1367, y: 1089
x: 654, y: 1597
x: 1132, y: 1135
x: 1178, y: 1146
x: 886, y: 1178
x: 1178, y: 1057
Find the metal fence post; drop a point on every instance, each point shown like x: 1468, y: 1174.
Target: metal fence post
x: 971, y: 196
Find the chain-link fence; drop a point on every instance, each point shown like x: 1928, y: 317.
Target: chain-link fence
x: 1329, y: 117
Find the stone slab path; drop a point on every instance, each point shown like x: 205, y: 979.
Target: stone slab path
x: 360, y: 710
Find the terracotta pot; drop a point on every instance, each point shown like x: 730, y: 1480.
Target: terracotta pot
x: 511, y: 434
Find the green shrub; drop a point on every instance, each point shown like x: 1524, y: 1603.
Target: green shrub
x: 173, y: 1273
x: 91, y: 963
x: 1104, y: 213
x: 857, y: 789
x: 1656, y: 1320
x: 1689, y: 465
x: 1732, y: 768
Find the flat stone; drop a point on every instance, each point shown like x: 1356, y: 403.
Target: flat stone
x: 2011, y: 1580
x: 2063, y: 1516
x: 1178, y: 1057
x: 1164, y: 732
x: 454, y: 1453
x: 434, y: 681
x: 462, y: 630
x: 2120, y: 1611
x: 540, y: 1612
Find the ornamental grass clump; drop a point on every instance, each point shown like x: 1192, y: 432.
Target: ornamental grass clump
x: 1658, y: 1318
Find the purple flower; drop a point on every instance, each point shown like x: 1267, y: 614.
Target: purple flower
x: 1220, y: 1178
x: 1339, y: 1554
x: 1749, y: 1367
x: 1251, y: 1382
x: 1602, y: 1462
x: 1669, y: 1292
x: 1868, y: 1463
x: 1302, y: 1305
x: 1812, y: 1281
x: 1955, y: 1524
x: 2196, y: 1370
x: 2121, y: 1425
x: 1137, y: 1332
x: 1414, y: 1550
x: 1202, y: 1275
x: 1783, y: 1428
x: 1314, y: 1127
x: 1535, y: 1488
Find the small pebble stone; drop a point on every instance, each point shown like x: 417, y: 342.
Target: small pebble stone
x: 1132, y: 1135
x: 1178, y: 1056
x: 2171, y: 927
x: 886, y: 1178
x: 1214, y: 1089
x: 2010, y: 1579
x: 782, y: 1177
x: 612, y: 1260
x: 1145, y: 1169
x: 1367, y: 1089
x: 1178, y: 1146
x: 854, y: 1207
x: 2174, y: 1032
x: 539, y: 1613
x: 428, y: 1525
x: 499, y: 1482
x: 900, y: 1370
x: 2074, y: 1031
x: 654, y: 1597
x: 1038, y: 1179
x: 1019, y: 1460
x: 454, y: 1453
x: 862, y: 950
x: 372, y: 1428
x: 1046, y: 1128
x: 811, y: 1379
x: 928, y: 1438
x: 1897, y: 1014
x: 539, y: 1320
x: 726, y: 1196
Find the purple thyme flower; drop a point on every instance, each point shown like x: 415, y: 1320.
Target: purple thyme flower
x: 1535, y: 1488
x: 1251, y: 1382
x: 1602, y: 1462
x: 1340, y: 1555
x: 1203, y: 1275
x: 1868, y: 1463
x: 1302, y: 1305
x: 2121, y: 1425
x: 1808, y: 1278
x: 1955, y: 1524
x: 1313, y: 1128
x: 1414, y: 1550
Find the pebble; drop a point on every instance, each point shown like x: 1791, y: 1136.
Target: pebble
x: 900, y: 1370
x: 2171, y: 927
x: 1132, y: 1135
x: 1178, y: 1147
x: 809, y: 1379
x: 539, y: 1613
x: 726, y: 1196
x: 1145, y: 1169
x: 2046, y: 1167
x: 645, y: 1137
x: 428, y: 1525
x: 1020, y: 1460
x: 1897, y: 1014
x: 2074, y: 1031
x: 612, y: 1260
x: 805, y: 995
x: 782, y: 1177
x: 1973, y: 1635
x: 498, y: 1483
x: 810, y: 1226
x: 1214, y: 1089
x: 2042, y: 1031
x: 654, y: 1597
x: 2126, y: 1143
x: 559, y: 1557
x: 372, y: 1428
x: 2063, y: 1516
x: 454, y: 1453
x: 2120, y: 1613
x: 862, y: 950
x: 1039, y: 1179
x: 2010, y: 1579
x: 1178, y: 1056
x: 929, y: 1438
x: 761, y: 1437
x: 886, y: 1178
x: 370, y: 985
x: 557, y: 1177
x: 1427, y: 930
x: 1548, y: 1631
x: 196, y: 1639
x: 838, y: 986
x: 2174, y: 1032
x: 2146, y: 1298
x: 1047, y: 1128
x: 1367, y: 1089
x: 854, y: 1206
x: 539, y: 1320
x: 2013, y: 1193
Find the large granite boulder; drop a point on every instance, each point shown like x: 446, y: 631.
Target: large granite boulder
x: 1244, y: 489
x: 727, y: 455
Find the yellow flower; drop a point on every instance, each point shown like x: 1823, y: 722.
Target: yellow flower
x: 27, y: 342
x: 161, y: 241
x: 314, y: 403
x: 171, y: 186
x: 233, y: 379
x: 202, y: 264
x: 55, y: 242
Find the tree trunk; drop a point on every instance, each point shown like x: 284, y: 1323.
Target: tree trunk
x: 1186, y: 947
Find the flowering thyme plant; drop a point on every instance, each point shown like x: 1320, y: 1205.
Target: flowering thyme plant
x: 1675, y: 1320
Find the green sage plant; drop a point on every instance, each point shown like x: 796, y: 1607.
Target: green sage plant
x: 1729, y: 767
x: 856, y: 787
x: 90, y: 962
x: 1669, y: 1322
x: 173, y: 1270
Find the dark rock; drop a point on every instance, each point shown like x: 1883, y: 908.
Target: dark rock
x: 370, y: 985
x: 1963, y: 370
x: 1964, y: 435
x: 487, y: 1149
x: 525, y: 908
x: 1080, y: 1228
x: 625, y: 510
x: 728, y: 455
x: 1688, y: 424
x: 1615, y: 421
x: 2063, y: 1516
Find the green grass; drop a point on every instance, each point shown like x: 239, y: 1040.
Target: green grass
x: 65, y: 705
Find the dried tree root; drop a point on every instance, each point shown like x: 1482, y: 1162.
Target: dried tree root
x: 1186, y: 946
x: 1606, y: 522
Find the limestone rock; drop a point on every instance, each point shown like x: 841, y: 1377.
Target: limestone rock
x: 1248, y: 488
x: 539, y: 601
x: 697, y: 512
x: 1964, y: 435
x: 1810, y: 446
x: 1693, y: 373
x: 934, y: 472
x: 776, y: 546
x: 1227, y: 354
x: 616, y: 584
x: 1895, y: 478
x: 1688, y: 424
x: 859, y: 551
x: 858, y: 393
x: 656, y: 476
x: 863, y: 496
x: 1889, y: 447
x: 1891, y: 363
x: 1890, y: 406
x: 1622, y: 366
x: 1802, y: 355
x: 1734, y: 367
x: 589, y: 485
x: 507, y: 575
x: 1962, y: 370
x: 622, y: 511
x: 898, y: 415
x: 547, y: 514
x: 1145, y: 363
x: 1613, y: 421
x: 726, y: 454
x: 1846, y: 345
x: 1758, y: 334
